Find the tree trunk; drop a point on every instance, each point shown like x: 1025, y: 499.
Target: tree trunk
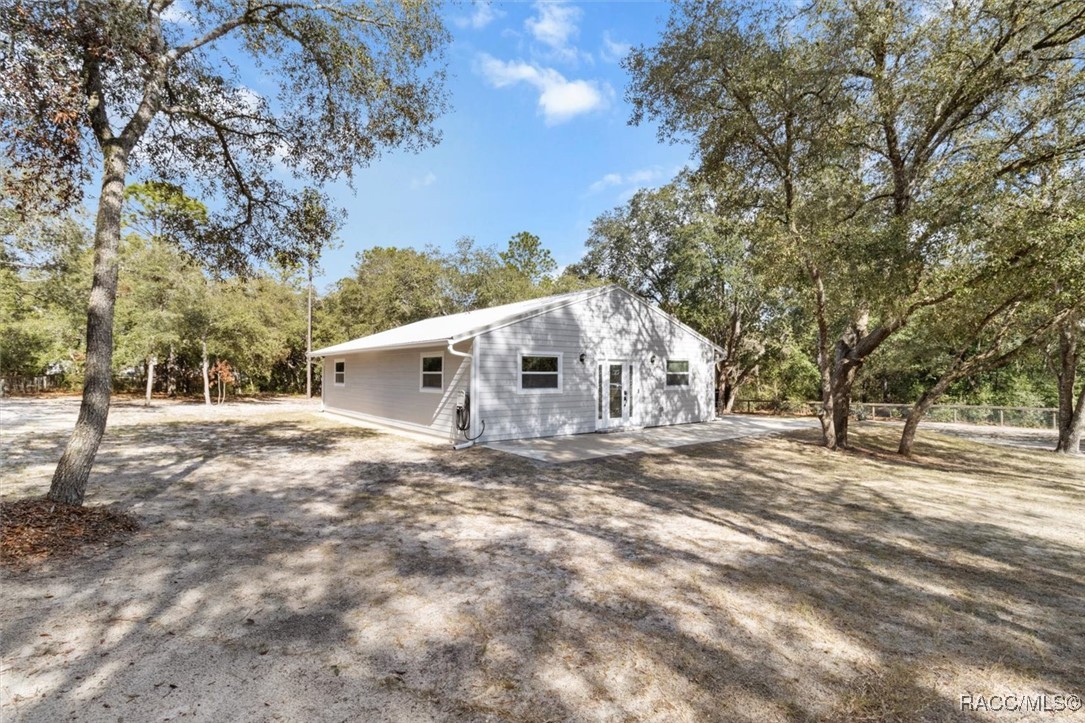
x: 826, y: 414
x: 151, y: 361
x: 922, y: 406
x: 171, y: 373
x: 730, y: 394
x: 1071, y: 417
x: 206, y: 375
x: 309, y: 339
x: 1071, y: 433
x: 851, y: 351
x: 69, y: 483
x: 841, y: 382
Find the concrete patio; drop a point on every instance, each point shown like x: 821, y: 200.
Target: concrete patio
x: 579, y: 447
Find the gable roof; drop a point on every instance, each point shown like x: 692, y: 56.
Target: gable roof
x: 441, y: 330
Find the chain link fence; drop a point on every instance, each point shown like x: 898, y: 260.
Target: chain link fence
x: 996, y: 416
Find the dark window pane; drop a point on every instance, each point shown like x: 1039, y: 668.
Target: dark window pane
x: 431, y: 381
x: 677, y: 367
x: 539, y: 364
x: 340, y: 367
x: 678, y: 380
x: 432, y: 363
x: 539, y: 381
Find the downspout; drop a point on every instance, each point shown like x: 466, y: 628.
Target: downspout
x: 464, y: 355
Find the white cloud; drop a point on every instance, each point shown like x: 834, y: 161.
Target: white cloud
x: 179, y: 14
x: 613, y: 50
x: 484, y: 14
x: 427, y: 180
x: 632, y: 180
x: 559, y: 99
x: 611, y: 179
x: 555, y: 25
x: 253, y: 101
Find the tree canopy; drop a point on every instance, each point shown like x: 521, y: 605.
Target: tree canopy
x: 871, y: 142
x: 115, y: 88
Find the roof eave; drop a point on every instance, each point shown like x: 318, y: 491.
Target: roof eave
x: 538, y: 311
x: 331, y: 350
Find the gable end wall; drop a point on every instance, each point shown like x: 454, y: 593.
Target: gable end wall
x: 611, y: 326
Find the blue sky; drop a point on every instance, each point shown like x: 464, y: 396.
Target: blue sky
x: 537, y: 139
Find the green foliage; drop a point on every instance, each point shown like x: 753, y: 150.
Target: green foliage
x: 147, y: 317
x: 361, y: 77
x: 258, y: 326
x: 390, y: 287
x: 677, y: 246
x: 168, y: 308
x: 44, y: 279
x: 393, y: 286
x: 527, y: 257
x: 315, y: 223
x: 880, y: 171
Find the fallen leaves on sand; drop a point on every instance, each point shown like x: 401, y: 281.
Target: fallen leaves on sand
x: 38, y: 529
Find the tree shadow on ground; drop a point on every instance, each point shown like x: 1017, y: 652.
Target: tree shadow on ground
x: 302, y: 570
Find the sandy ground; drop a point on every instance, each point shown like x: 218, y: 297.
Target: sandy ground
x: 292, y: 568
x: 581, y: 447
x: 33, y: 415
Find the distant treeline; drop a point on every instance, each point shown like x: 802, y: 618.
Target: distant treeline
x: 177, y: 315
x: 666, y: 244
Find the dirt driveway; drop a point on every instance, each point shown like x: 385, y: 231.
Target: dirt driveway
x: 291, y: 568
x: 35, y: 415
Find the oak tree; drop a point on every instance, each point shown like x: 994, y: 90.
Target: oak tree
x: 112, y: 88
x: 867, y: 133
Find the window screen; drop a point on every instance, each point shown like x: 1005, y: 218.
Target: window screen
x: 340, y: 372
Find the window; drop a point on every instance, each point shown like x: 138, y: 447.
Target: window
x: 540, y: 372
x: 433, y: 373
x: 677, y: 373
x: 340, y: 373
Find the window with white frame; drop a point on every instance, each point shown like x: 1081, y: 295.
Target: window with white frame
x: 340, y: 376
x: 677, y: 373
x: 540, y: 372
x: 433, y: 373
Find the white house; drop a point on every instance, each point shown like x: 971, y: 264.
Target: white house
x: 586, y: 361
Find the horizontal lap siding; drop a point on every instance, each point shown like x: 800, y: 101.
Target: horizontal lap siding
x: 608, y: 327
x: 385, y: 384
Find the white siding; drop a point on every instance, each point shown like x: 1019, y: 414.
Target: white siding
x: 385, y: 385
x: 612, y: 327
